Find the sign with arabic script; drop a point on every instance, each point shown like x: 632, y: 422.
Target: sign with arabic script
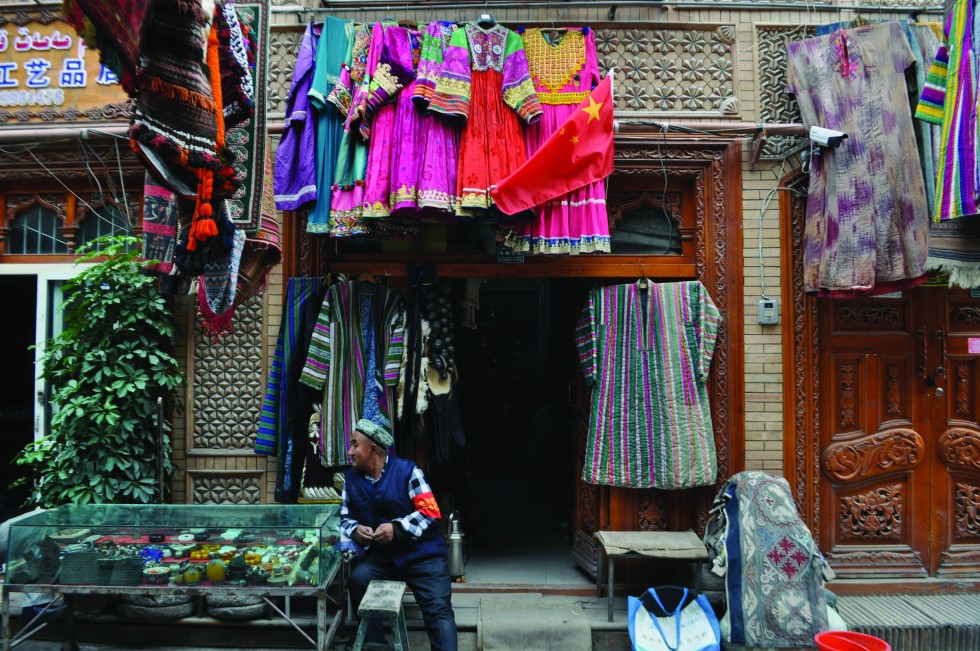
x: 47, y: 73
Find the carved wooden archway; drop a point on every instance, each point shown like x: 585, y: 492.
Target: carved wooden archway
x: 710, y: 170
x: 714, y: 171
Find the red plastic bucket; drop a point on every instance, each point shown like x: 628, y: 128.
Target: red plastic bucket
x: 848, y: 641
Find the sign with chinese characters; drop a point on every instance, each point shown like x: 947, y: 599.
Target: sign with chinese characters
x: 48, y: 72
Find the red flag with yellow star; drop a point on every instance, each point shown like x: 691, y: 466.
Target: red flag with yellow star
x: 578, y: 153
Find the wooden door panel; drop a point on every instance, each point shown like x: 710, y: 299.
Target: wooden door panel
x: 874, y: 488
x: 872, y: 524
x: 956, y: 476
x: 875, y: 316
x: 960, y: 513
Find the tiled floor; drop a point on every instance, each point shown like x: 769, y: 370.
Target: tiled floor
x: 529, y: 547
x: 532, y: 558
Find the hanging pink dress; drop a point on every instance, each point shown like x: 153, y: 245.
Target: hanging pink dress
x: 440, y: 151
x: 382, y: 124
x: 564, y: 74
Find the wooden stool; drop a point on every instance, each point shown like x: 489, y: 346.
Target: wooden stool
x: 383, y: 601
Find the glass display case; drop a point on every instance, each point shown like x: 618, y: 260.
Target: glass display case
x: 179, y: 545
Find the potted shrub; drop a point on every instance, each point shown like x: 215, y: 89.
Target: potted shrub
x: 111, y: 374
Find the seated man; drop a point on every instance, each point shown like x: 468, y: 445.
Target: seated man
x: 388, y: 517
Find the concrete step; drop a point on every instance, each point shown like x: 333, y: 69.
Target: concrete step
x: 907, y: 622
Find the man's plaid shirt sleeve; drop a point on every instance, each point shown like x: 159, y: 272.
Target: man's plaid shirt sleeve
x: 415, y: 523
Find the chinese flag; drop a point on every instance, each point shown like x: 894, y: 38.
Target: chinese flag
x: 578, y: 153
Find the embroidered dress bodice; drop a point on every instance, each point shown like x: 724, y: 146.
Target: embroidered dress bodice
x: 557, y: 68
x: 487, y: 46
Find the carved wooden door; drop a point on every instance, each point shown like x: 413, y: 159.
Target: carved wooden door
x: 900, y: 434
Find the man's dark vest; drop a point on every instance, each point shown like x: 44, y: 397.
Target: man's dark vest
x: 375, y: 504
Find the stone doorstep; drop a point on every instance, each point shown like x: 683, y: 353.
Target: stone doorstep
x: 907, y: 622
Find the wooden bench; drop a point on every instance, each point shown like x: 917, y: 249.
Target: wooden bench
x: 383, y: 601
x: 662, y: 545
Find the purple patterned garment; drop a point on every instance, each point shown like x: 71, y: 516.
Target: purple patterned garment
x: 295, y: 176
x: 867, y: 220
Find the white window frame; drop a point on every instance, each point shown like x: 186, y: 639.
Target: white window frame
x: 50, y: 278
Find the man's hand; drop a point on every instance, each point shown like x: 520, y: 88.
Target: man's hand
x: 384, y: 534
x: 363, y: 534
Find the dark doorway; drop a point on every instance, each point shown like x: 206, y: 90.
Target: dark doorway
x: 17, y: 331
x: 516, y: 370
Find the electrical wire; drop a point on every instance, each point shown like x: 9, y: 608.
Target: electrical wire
x: 122, y: 182
x: 53, y: 175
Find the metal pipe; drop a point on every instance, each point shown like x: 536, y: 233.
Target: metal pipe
x: 10, y: 135
x: 627, y: 126
x: 358, y: 5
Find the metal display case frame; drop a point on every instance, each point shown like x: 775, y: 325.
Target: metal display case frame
x: 114, y: 518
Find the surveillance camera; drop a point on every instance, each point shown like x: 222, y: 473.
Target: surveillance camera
x: 826, y: 137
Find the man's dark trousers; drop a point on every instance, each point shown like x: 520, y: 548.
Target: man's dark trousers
x: 429, y: 582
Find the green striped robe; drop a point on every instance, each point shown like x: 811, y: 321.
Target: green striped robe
x: 337, y: 362
x: 646, y: 353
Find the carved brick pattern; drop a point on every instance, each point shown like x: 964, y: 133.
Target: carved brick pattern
x: 225, y: 489
x: 671, y: 68
x: 962, y: 378
x: 283, y: 46
x: 896, y: 449
x: 875, y: 515
x: 959, y: 447
x: 893, y: 393
x: 775, y: 104
x: 846, y: 376
x: 652, y: 512
x: 868, y: 316
x: 966, y: 316
x: 229, y: 382
x: 967, y: 516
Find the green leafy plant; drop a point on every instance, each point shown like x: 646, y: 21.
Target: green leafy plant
x: 107, y: 370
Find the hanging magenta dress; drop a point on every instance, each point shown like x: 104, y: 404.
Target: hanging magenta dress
x: 564, y: 73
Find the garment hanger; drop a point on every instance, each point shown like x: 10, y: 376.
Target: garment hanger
x: 485, y: 20
x: 367, y: 277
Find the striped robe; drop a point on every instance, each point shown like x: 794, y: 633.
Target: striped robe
x: 949, y: 99
x: 285, y: 407
x: 646, y: 353
x: 354, y: 357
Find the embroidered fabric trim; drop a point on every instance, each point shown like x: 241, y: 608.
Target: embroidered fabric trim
x: 554, y: 66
